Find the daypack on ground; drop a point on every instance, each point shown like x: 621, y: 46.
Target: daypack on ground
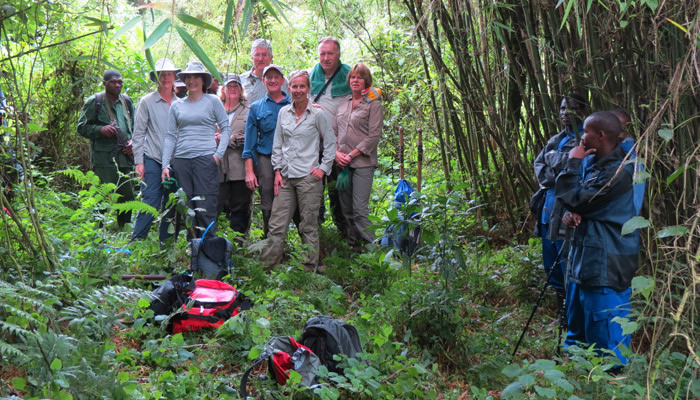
x: 212, y: 302
x: 211, y: 257
x: 283, y: 354
x: 327, y: 337
x: 322, y: 338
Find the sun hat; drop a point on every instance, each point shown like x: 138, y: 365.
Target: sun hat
x: 179, y: 83
x: 232, y: 78
x: 163, y: 65
x: 273, y: 66
x: 196, y: 68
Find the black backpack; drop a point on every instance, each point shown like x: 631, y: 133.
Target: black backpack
x: 211, y: 257
x: 327, y: 337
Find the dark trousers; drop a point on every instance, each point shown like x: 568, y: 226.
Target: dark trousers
x: 199, y: 179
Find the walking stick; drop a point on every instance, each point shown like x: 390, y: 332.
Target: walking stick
x: 401, y: 149
x: 537, y: 303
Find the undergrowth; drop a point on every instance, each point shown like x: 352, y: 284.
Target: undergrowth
x: 438, y: 324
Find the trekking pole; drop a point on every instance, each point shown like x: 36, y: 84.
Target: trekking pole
x: 401, y: 149
x: 419, y: 172
x: 537, y: 304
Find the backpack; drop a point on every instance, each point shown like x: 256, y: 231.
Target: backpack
x: 283, y: 354
x: 211, y: 258
x: 210, y: 304
x: 327, y: 337
x: 172, y: 294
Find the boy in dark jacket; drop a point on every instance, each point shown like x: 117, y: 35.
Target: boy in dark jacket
x: 599, y: 201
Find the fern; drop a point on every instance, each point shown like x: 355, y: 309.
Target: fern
x: 83, y: 179
x: 11, y: 352
x: 135, y: 206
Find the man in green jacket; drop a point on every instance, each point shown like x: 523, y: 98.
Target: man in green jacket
x: 107, y: 120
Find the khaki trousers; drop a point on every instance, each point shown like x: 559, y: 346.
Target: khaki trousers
x: 306, y: 193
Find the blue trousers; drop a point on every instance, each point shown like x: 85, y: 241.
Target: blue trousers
x: 550, y: 251
x: 590, y: 311
x: 156, y: 196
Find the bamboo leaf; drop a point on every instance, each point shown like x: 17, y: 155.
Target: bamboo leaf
x: 197, y: 50
x: 126, y: 27
x: 633, y: 224
x: 269, y: 8
x: 679, y: 26
x: 188, y: 19
x: 566, y: 12
x: 674, y: 175
x: 676, y: 230
x: 228, y: 19
x: 157, y: 34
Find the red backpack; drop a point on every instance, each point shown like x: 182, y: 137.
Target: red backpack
x: 213, y: 303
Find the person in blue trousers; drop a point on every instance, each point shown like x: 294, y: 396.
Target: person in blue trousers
x: 599, y: 200
x: 548, y: 164
x: 150, y: 126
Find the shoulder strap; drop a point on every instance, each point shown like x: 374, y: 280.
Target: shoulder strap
x: 323, y: 89
x: 126, y: 109
x: 99, y: 99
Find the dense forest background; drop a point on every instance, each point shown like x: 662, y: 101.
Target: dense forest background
x: 481, y: 79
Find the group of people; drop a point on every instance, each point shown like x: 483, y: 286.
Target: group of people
x: 587, y: 192
x: 260, y: 130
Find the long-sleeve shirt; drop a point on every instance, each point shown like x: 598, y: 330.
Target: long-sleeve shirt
x: 92, y: 120
x: 260, y: 126
x: 191, y: 129
x: 603, y: 196
x: 359, y: 128
x: 150, y: 127
x: 297, y: 145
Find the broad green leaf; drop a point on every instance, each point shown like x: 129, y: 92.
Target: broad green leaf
x: 641, y: 176
x: 545, y: 392
x: 167, y: 376
x: 126, y: 27
x: 188, y: 19
x: 675, y: 230
x: 56, y: 364
x: 34, y: 127
x: 254, y: 353
x: 633, y: 224
x: 269, y: 8
x: 512, y: 390
x: 19, y: 383
x: 194, y: 46
x: 628, y: 327
x: 543, y: 365
x: 643, y: 285
x: 157, y: 34
x: 228, y: 20
x: 511, y: 370
x: 675, y: 175
x: 262, y: 323
x: 666, y: 134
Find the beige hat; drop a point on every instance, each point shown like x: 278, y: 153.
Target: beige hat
x: 196, y: 68
x: 273, y: 66
x: 163, y: 65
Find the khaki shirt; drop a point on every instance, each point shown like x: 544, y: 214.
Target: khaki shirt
x: 296, y: 145
x: 233, y: 166
x: 359, y: 128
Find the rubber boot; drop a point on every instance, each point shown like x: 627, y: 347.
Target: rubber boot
x: 266, y: 222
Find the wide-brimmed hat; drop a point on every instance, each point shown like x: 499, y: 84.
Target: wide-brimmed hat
x: 273, y: 66
x: 232, y: 78
x: 179, y: 83
x: 196, y: 68
x: 163, y: 65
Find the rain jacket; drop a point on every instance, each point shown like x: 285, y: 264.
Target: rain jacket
x: 603, y: 196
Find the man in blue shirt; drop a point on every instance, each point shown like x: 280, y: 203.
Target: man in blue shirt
x: 259, y: 135
x: 548, y: 164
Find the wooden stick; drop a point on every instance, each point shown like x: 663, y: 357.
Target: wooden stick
x: 145, y: 277
x: 420, y: 158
